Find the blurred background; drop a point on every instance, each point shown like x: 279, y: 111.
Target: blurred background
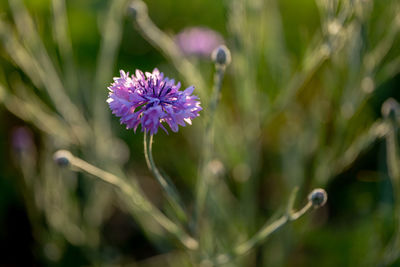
x: 301, y: 106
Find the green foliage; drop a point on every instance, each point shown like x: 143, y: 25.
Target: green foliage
x: 300, y: 107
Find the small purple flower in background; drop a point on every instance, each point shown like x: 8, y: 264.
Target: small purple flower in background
x: 151, y: 99
x: 22, y: 139
x: 198, y: 41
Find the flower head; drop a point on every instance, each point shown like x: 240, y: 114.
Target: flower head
x: 151, y: 99
x: 198, y: 41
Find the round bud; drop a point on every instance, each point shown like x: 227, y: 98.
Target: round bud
x: 137, y: 8
x: 390, y: 108
x: 62, y: 158
x: 221, y: 55
x: 318, y: 197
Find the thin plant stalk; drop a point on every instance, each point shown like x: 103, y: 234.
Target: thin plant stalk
x: 378, y: 130
x: 19, y: 54
x: 33, y: 112
x: 48, y: 76
x: 266, y: 231
x: 203, y: 178
x: 166, y: 45
x: 393, y: 160
x: 60, y: 28
x: 111, y: 38
x: 169, y: 189
x: 132, y: 194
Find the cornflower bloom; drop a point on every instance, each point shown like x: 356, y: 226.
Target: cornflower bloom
x: 151, y: 99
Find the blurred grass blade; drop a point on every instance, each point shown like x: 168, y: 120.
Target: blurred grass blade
x: 31, y: 112
x: 111, y: 33
x: 204, y: 174
x: 378, y: 130
x: 391, y: 112
x: 61, y: 33
x: 166, y: 45
x: 133, y: 194
x: 19, y: 54
x: 49, y: 75
x: 268, y: 229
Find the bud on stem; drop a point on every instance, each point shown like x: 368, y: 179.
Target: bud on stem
x: 318, y: 197
x: 63, y: 158
x: 221, y: 55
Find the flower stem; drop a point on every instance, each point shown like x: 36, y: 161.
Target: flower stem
x: 110, y: 43
x: 392, y: 252
x: 165, y: 44
x: 264, y: 232
x: 170, y: 190
x: 134, y: 197
x: 378, y: 130
x: 46, y: 71
x: 218, y: 77
x: 204, y: 175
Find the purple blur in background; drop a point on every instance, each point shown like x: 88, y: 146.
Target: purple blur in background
x: 22, y: 139
x: 198, y: 41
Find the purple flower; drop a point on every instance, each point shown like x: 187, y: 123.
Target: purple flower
x: 22, y: 139
x: 198, y: 41
x: 151, y: 99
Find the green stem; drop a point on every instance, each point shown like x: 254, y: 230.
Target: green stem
x: 47, y: 71
x: 110, y: 42
x: 392, y: 252
x: 204, y: 175
x: 33, y: 112
x: 134, y: 196
x: 378, y: 130
x: 262, y: 235
x: 60, y: 27
x: 166, y: 45
x: 170, y: 190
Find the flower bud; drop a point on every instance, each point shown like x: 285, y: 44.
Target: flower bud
x: 221, y: 55
x: 137, y: 8
x: 318, y: 197
x: 390, y: 108
x: 62, y: 158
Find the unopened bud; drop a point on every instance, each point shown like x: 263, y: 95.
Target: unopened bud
x: 390, y: 108
x: 137, y: 8
x: 318, y: 197
x: 62, y: 158
x: 221, y: 55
